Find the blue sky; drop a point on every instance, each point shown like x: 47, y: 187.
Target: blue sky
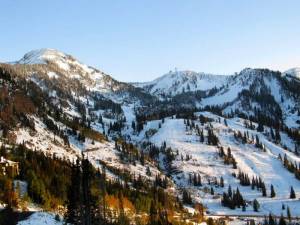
x: 139, y: 40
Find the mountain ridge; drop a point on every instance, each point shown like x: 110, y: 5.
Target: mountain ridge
x: 189, y: 146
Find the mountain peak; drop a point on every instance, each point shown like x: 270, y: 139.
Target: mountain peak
x: 62, y: 60
x: 41, y: 56
x: 294, y: 72
x: 176, y: 82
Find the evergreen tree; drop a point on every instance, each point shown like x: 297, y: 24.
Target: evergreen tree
x: 263, y: 190
x: 292, y: 193
x: 229, y: 191
x: 86, y: 191
x: 277, y: 135
x: 273, y: 194
x: 256, y: 205
x: 272, y: 133
x: 260, y: 127
x: 282, y: 220
x: 142, y: 158
x: 244, y: 207
x: 212, y: 192
x: 74, y: 196
x: 225, y: 122
x: 201, y: 137
x: 271, y: 220
x: 186, y: 197
x: 221, y: 182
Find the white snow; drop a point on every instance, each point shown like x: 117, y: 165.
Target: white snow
x: 41, y: 218
x: 173, y: 83
x: 205, y: 160
x: 294, y: 72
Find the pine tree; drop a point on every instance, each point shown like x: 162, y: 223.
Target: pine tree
x: 282, y: 220
x: 212, y: 191
x: 271, y: 220
x: 148, y: 172
x: 221, y: 182
x: 225, y: 122
x: 256, y: 205
x: 142, y: 158
x: 74, y: 196
x: 86, y: 191
x: 273, y: 194
x: 260, y: 127
x: 272, y: 133
x: 263, y: 190
x: 103, y: 191
x: 229, y: 191
x: 277, y: 135
x: 292, y: 193
x: 244, y: 207
x: 186, y: 197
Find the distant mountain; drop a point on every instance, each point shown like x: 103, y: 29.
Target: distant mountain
x: 294, y: 72
x: 177, y: 82
x: 250, y: 92
x: 54, y: 64
x: 180, y: 141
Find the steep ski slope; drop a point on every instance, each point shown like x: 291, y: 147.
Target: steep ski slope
x: 204, y: 159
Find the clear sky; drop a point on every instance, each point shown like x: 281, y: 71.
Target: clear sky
x: 139, y: 40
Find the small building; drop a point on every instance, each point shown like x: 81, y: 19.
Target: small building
x: 8, y: 167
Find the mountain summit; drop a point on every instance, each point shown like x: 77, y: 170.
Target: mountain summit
x: 294, y: 72
x: 176, y: 82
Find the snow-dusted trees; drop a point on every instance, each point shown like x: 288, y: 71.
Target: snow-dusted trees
x: 232, y: 199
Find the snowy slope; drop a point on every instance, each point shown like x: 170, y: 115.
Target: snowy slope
x: 259, y: 82
x: 177, y: 82
x: 54, y: 64
x: 205, y: 160
x: 294, y: 72
x: 97, y: 152
x: 41, y: 218
x: 44, y: 56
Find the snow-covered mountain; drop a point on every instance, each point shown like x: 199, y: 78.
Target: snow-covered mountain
x: 271, y: 93
x: 259, y: 90
x: 177, y: 82
x: 53, y: 64
x: 173, y: 127
x: 294, y: 72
